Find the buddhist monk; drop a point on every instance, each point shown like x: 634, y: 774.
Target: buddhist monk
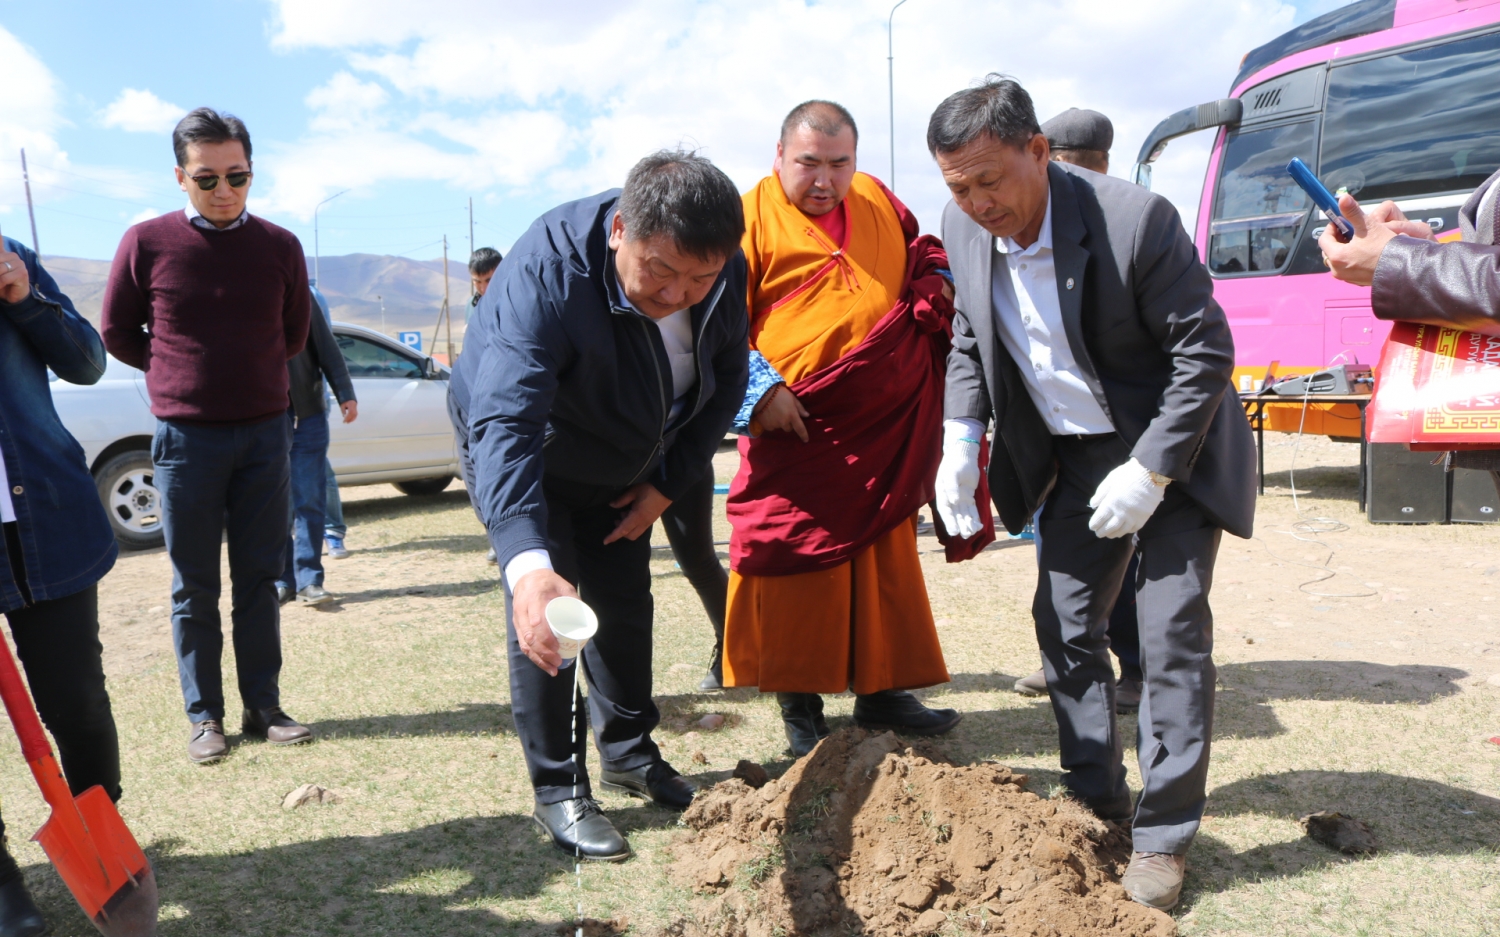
x: 850, y: 326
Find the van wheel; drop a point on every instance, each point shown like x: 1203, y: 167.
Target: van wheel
x: 424, y: 486
x: 127, y: 487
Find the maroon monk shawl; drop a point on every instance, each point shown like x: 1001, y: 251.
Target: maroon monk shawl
x: 875, y: 438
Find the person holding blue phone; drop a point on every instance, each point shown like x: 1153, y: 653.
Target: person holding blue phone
x: 1415, y: 278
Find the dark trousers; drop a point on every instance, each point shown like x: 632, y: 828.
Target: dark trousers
x: 211, y: 477
x: 1079, y: 578
x: 615, y: 581
x: 1124, y: 629
x: 309, y: 463
x: 689, y: 524
x: 58, y: 644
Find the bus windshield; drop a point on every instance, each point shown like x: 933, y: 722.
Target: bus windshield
x: 1416, y: 123
x: 1258, y: 209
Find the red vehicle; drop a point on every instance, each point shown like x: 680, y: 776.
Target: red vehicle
x: 1391, y: 99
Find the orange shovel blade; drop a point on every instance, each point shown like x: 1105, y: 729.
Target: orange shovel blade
x: 109, y: 875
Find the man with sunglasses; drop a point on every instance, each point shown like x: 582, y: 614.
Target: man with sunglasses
x: 211, y: 303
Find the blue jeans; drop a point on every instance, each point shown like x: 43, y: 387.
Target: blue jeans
x: 304, y: 556
x: 333, y: 509
x: 211, y: 477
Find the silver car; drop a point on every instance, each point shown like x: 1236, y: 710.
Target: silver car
x: 403, y: 435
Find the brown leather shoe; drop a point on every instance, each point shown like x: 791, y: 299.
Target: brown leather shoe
x: 275, y: 726
x: 1154, y: 879
x: 206, y: 742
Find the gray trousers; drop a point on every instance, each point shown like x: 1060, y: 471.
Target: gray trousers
x: 1079, y: 577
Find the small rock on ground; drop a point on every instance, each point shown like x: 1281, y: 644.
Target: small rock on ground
x: 309, y: 794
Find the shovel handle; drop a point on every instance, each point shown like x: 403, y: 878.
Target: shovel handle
x: 22, y: 711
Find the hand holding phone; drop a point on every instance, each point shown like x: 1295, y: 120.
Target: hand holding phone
x: 1343, y: 231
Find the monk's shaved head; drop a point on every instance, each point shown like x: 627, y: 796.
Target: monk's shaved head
x: 825, y: 117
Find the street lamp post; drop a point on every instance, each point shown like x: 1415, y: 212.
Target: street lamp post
x: 317, y: 248
x: 890, y: 68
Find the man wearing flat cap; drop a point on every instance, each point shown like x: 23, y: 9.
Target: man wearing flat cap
x: 1081, y: 137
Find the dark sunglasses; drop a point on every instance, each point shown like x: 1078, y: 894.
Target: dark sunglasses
x: 236, y: 180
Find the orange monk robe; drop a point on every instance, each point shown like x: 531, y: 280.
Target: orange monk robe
x: 865, y: 624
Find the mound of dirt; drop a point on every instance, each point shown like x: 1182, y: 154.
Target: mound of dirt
x: 865, y: 835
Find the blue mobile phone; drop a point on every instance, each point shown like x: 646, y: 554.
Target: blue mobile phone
x: 1343, y: 231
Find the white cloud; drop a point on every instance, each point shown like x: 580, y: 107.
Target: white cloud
x: 346, y: 103
x: 560, y: 99
x: 139, y: 111
x: 28, y: 120
x: 145, y: 214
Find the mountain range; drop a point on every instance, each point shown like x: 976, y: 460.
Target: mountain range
x: 379, y: 291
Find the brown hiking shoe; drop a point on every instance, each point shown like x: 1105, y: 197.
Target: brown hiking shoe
x: 1154, y: 879
x: 1034, y: 685
x: 206, y: 743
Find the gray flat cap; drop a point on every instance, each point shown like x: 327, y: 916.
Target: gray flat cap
x: 1079, y: 129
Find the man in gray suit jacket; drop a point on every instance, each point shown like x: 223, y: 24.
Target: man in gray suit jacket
x: 1087, y: 331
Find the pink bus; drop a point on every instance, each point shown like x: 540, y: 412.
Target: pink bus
x: 1392, y: 99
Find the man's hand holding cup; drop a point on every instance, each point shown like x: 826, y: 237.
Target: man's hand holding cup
x: 529, y: 598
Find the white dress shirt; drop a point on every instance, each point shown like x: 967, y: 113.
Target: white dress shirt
x: 199, y: 221
x: 1028, y: 317
x: 677, y: 335
x: 7, y: 508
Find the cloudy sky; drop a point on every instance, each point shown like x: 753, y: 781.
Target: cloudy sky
x: 416, y: 107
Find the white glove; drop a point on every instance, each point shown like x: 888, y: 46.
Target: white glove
x: 1126, y: 499
x: 958, y: 479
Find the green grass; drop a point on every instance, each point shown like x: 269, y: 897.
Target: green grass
x: 405, y: 683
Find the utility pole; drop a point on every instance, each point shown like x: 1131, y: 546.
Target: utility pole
x: 381, y: 300
x: 30, y: 209
x: 443, y: 314
x: 890, y: 71
x: 471, y: 226
x: 317, y: 248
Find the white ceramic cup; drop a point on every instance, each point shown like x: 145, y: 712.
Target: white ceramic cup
x: 573, y: 623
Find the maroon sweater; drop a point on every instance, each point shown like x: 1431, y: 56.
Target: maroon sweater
x: 211, y: 316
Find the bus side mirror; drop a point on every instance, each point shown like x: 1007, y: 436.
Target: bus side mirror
x: 1220, y: 113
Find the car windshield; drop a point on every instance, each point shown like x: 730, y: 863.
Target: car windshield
x: 1257, y: 207
x: 1416, y: 123
x: 369, y: 359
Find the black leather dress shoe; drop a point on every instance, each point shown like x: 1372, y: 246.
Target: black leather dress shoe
x: 1120, y: 810
x: 19, y: 915
x: 658, y: 782
x: 275, y: 726
x: 714, y: 679
x: 802, y: 717
x: 578, y: 827
x: 899, y: 710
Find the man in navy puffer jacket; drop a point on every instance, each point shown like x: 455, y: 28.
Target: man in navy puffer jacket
x: 599, y: 375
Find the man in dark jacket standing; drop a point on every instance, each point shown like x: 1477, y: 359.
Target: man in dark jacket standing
x: 57, y: 542
x: 602, y: 369
x: 321, y: 358
x: 211, y: 303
